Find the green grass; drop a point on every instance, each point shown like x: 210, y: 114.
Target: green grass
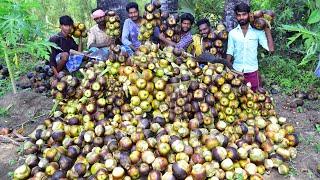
x: 293, y: 171
x: 307, y: 140
x: 317, y: 128
x: 286, y: 73
x: 317, y: 148
x: 4, y: 112
x: 5, y: 86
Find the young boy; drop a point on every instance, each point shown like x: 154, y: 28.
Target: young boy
x: 60, y: 57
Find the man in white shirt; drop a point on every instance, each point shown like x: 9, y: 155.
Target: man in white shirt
x: 243, y: 44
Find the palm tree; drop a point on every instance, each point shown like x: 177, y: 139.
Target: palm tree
x: 229, y: 15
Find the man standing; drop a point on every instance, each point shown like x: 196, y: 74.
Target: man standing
x: 243, y: 43
x: 204, y: 30
x: 59, y: 58
x: 97, y: 37
x: 187, y: 20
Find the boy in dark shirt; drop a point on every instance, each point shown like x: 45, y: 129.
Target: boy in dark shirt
x: 59, y: 57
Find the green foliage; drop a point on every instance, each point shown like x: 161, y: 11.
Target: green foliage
x: 22, y: 30
x: 4, y: 86
x: 308, y: 36
x: 285, y: 72
x: 298, y: 22
x: 22, y: 33
x: 318, y: 128
x: 10, y: 174
x: 79, y: 10
x: 4, y: 112
x: 211, y: 9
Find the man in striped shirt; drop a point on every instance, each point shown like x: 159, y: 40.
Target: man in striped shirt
x: 187, y: 20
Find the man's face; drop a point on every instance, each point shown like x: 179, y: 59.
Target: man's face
x: 133, y: 14
x: 243, y: 18
x: 185, y: 25
x: 204, y: 30
x: 101, y: 20
x: 66, y: 29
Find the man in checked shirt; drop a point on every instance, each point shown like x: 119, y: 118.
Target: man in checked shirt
x: 187, y: 20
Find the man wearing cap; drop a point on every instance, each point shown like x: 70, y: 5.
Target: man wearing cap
x: 97, y: 37
x: 61, y: 57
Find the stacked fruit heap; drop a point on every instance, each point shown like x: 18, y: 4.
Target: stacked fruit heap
x: 3, y: 72
x: 39, y: 78
x: 168, y: 119
x: 113, y: 24
x: 151, y: 19
x: 170, y: 26
x: 300, y: 97
x: 79, y: 30
x: 216, y: 40
x: 261, y: 18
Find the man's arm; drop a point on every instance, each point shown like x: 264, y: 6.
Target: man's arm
x: 269, y: 39
x: 184, y: 42
x: 229, y: 58
x: 166, y: 41
x: 80, y: 44
x: 53, y: 54
x: 230, y: 49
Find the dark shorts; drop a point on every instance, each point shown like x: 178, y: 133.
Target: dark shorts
x: 253, y: 78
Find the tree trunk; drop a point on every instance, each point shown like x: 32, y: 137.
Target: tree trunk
x: 170, y: 5
x: 229, y: 15
x: 116, y: 5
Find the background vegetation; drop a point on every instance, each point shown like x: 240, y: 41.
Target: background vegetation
x: 27, y: 24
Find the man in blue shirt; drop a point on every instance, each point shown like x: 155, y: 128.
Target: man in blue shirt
x: 243, y: 43
x: 131, y: 30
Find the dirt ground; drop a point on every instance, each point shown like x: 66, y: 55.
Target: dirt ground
x: 30, y: 109
x: 25, y: 111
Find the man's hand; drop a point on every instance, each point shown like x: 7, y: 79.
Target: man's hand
x: 161, y: 36
x: 109, y: 41
x: 80, y: 44
x: 267, y: 30
x: 268, y: 25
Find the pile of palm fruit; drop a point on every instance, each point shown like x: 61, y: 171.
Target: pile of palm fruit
x: 158, y: 115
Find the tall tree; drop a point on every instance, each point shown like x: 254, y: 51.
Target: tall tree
x: 117, y: 5
x: 229, y: 15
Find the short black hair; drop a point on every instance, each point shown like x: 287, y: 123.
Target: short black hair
x: 65, y: 20
x: 203, y: 21
x: 132, y: 5
x: 187, y: 16
x: 242, y: 7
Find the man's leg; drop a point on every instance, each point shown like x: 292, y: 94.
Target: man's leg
x: 63, y: 60
x: 254, y: 79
